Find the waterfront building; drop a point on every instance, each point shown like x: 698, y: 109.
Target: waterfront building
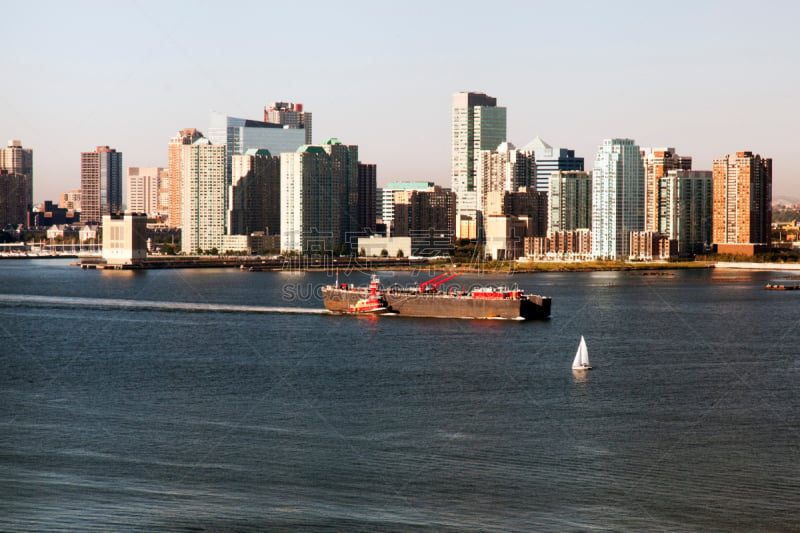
x: 428, y: 217
x: 569, y: 200
x: 175, y: 186
x: 144, y: 190
x: 526, y: 202
x: 255, y: 193
x: 550, y: 159
x: 742, y: 206
x: 377, y: 246
x: 290, y: 115
x: 367, y: 194
x: 61, y: 231
x: 477, y: 124
x: 685, y: 209
x: 239, y: 135
x: 101, y: 184
x: 505, y: 236
x: 254, y: 243
x: 319, y: 198
x: 566, y: 245
x: 502, y: 169
x: 203, y: 210
x: 16, y: 183
x: 124, y: 238
x: 617, y: 198
x: 387, y: 197
x: 88, y: 233
x: 650, y: 245
x: 657, y: 162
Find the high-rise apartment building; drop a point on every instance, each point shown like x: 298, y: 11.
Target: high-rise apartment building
x: 617, y: 198
x: 15, y: 198
x: 289, y: 115
x: 144, y: 190
x: 255, y: 194
x: 742, y: 199
x: 527, y: 203
x: 387, y: 197
x: 16, y: 183
x: 477, y: 124
x: 549, y: 160
x: 239, y: 135
x: 16, y: 159
x: 657, y: 162
x: 684, y: 202
x: 502, y: 169
x: 367, y: 190
x: 184, y: 137
x: 319, y: 198
x: 569, y: 201
x: 379, y: 204
x: 428, y: 217
x: 203, y: 195
x: 101, y: 184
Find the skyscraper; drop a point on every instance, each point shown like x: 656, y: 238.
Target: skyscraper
x: 319, y: 197
x: 477, y: 124
x: 289, y: 115
x: 101, y: 184
x: 184, y: 137
x: 239, y: 135
x: 617, y: 198
x: 428, y: 217
x: 16, y: 159
x: 685, y: 199
x: 549, y: 160
x: 16, y: 183
x: 367, y: 189
x: 502, y: 169
x: 144, y: 190
x: 742, y: 199
x: 657, y: 162
x: 255, y: 194
x: 387, y: 197
x: 15, y: 203
x: 203, y: 210
x: 569, y: 201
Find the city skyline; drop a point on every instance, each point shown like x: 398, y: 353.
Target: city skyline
x: 559, y: 83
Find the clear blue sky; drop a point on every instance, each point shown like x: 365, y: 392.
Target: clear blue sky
x: 708, y: 78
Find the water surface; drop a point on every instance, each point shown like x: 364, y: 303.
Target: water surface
x: 191, y: 400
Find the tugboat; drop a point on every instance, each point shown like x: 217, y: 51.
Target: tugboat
x: 373, y: 304
x: 426, y: 301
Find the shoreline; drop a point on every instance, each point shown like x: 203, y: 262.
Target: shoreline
x: 757, y: 266
x: 377, y: 264
x: 257, y: 264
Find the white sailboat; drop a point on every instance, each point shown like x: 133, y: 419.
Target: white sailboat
x: 581, y: 361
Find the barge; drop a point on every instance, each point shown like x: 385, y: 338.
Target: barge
x: 426, y: 300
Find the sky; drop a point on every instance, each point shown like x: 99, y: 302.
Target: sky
x: 708, y: 78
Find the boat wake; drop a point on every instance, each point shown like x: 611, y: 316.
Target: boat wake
x: 109, y: 303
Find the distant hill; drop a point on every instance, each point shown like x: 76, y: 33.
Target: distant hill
x: 785, y: 200
x: 783, y: 213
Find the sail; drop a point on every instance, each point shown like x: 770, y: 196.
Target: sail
x: 581, y: 356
